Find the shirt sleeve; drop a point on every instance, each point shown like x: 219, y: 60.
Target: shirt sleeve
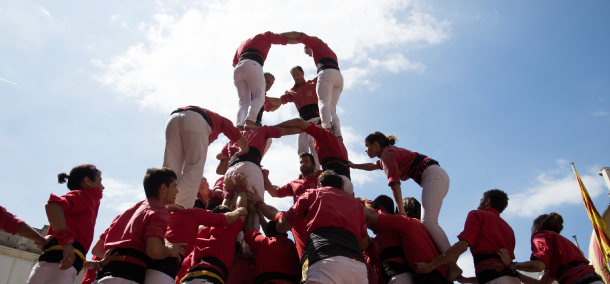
x: 299, y: 210
x: 286, y: 98
x: 225, y: 150
x: 209, y: 219
x: 276, y: 38
x: 541, y: 248
x: 273, y: 132
x: 390, y: 167
x: 394, y: 222
x: 309, y: 41
x: 268, y: 106
x: 229, y: 130
x: 237, y: 226
x: 235, y: 58
x: 255, y: 240
x: 471, y: 227
x: 157, y: 225
x: 9, y: 222
x: 285, y: 190
x: 314, y: 131
x: 72, y: 203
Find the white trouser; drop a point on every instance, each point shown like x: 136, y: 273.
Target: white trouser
x: 157, y: 277
x: 198, y: 281
x: 337, y: 269
x: 348, y: 186
x: 505, y: 280
x: 249, y: 81
x: 254, y: 182
x: 187, y: 137
x: 329, y: 88
x: 404, y: 278
x: 435, y: 185
x: 48, y: 273
x: 305, y: 144
x: 113, y: 280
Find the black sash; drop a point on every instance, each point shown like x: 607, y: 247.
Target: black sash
x: 392, y: 268
x: 416, y: 171
x: 253, y: 155
x: 434, y: 277
x: 564, y: 268
x: 252, y: 54
x: 489, y: 275
x: 389, y: 252
x: 588, y: 279
x: 197, y: 110
x: 53, y: 255
x: 327, y: 63
x: 268, y: 276
x: 337, y: 165
x: 216, y: 262
x: 168, y: 265
x: 120, y: 267
x: 310, y: 111
x: 327, y: 242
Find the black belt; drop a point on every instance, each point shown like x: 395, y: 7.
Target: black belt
x: 310, y: 111
x: 489, y: 275
x: 389, y: 252
x: 252, y: 54
x: 392, y: 268
x: 327, y: 242
x: 54, y: 253
x: 268, y: 276
x: 216, y: 262
x: 564, y: 268
x: 123, y: 265
x: 197, y: 110
x: 415, y: 172
x: 253, y: 155
x: 337, y: 165
x: 169, y: 265
x: 327, y: 63
x: 434, y: 277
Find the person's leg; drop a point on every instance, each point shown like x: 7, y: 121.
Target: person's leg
x: 348, y: 187
x: 254, y: 182
x: 48, y: 273
x: 195, y: 139
x: 157, y: 277
x: 505, y: 280
x: 324, y: 90
x: 113, y: 280
x: 302, y: 143
x: 405, y: 278
x: 337, y: 270
x: 256, y: 83
x: 334, y: 100
x: 243, y: 91
x: 312, y: 150
x: 174, y: 152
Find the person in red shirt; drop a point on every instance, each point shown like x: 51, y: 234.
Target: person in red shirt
x: 243, y: 271
x: 13, y: 225
x: 138, y: 234
x: 552, y: 253
x: 188, y: 133
x: 72, y: 221
x: 271, y: 104
x: 330, y: 80
x: 277, y: 260
x: 331, y: 151
x: 248, y: 74
x: 335, y: 225
x: 485, y: 232
x: 216, y: 194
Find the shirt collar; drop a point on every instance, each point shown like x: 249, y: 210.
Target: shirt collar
x: 94, y: 191
x: 154, y: 204
x: 382, y: 150
x: 492, y: 210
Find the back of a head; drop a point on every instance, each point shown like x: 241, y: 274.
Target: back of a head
x: 412, y: 207
x: 552, y: 222
x: 272, y: 229
x: 78, y: 174
x: 498, y: 199
x: 199, y: 204
x: 221, y: 209
x: 386, y: 202
x: 332, y: 179
x: 382, y: 139
x: 155, y: 177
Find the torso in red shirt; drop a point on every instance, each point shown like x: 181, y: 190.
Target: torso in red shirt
x: 242, y: 273
x: 416, y: 241
x: 387, y: 239
x: 486, y: 232
x: 8, y: 222
x: 184, y: 224
x: 554, y: 250
x: 318, y: 48
x: 147, y: 218
x: 396, y: 162
x: 80, y: 210
x: 327, y: 145
x: 256, y: 138
x: 260, y: 42
x: 302, y: 95
x: 277, y: 254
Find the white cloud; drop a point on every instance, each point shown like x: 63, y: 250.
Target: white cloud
x: 113, y: 17
x: 8, y: 81
x: 554, y: 189
x: 44, y: 11
x: 397, y: 62
x: 466, y: 264
x: 119, y: 196
x: 600, y: 113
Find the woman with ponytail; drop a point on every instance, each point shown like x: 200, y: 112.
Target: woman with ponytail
x: 72, y: 220
x: 402, y: 164
x: 557, y: 256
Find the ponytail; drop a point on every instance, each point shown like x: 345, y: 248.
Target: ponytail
x: 77, y: 175
x: 62, y: 178
x: 383, y: 140
x: 553, y: 222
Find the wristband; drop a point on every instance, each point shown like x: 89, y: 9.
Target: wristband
x: 241, y: 189
x: 258, y: 203
x: 65, y: 236
x: 368, y: 202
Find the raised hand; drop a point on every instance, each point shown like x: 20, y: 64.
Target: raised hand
x: 253, y: 197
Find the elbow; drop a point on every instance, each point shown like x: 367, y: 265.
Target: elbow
x: 155, y: 253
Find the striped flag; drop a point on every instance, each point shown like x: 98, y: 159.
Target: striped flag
x: 597, y: 260
x: 599, y: 226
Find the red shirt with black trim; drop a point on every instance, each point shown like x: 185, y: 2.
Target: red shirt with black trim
x: 261, y: 42
x: 386, y: 238
x: 395, y: 162
x: 256, y: 137
x: 147, y: 218
x: 417, y: 244
x: 554, y: 250
x: 242, y: 273
x: 216, y: 242
x: 326, y: 144
x: 486, y: 232
x: 277, y: 254
x: 184, y: 224
x: 80, y: 211
x: 328, y: 207
x: 318, y: 48
x: 302, y: 94
x: 8, y: 222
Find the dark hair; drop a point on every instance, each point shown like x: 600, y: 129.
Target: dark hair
x: 330, y: 178
x: 307, y: 154
x: 267, y: 73
x: 497, y: 199
x: 552, y: 222
x: 296, y: 67
x: 412, y: 207
x: 221, y: 209
x: 539, y: 220
x: 78, y: 174
x: 272, y: 229
x: 155, y: 177
x: 199, y: 204
x: 382, y: 139
x: 384, y: 201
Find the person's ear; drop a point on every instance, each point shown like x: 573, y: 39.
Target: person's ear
x: 88, y: 182
x: 163, y: 189
x: 488, y: 202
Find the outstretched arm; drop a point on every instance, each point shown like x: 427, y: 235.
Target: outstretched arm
x: 283, y: 226
x: 249, y: 222
x: 546, y: 279
x: 269, y: 187
x: 27, y: 231
x: 365, y: 166
x: 234, y: 215
x: 275, y: 102
x: 292, y: 37
x: 371, y: 215
x: 297, y: 122
x: 267, y: 210
x: 451, y: 254
x: 291, y: 130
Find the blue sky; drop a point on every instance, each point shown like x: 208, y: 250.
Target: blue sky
x: 504, y: 94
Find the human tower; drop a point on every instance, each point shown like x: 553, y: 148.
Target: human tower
x: 183, y: 232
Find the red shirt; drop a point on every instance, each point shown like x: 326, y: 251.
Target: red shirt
x: 256, y: 137
x: 395, y: 162
x: 184, y: 224
x: 242, y: 273
x: 147, y: 218
x: 326, y: 144
x: 302, y: 94
x: 80, y: 210
x: 328, y: 207
x: 261, y: 42
x: 8, y: 222
x: 386, y: 238
x: 216, y: 242
x: 277, y: 254
x: 554, y: 250
x: 416, y: 241
x: 318, y: 48
x: 486, y: 232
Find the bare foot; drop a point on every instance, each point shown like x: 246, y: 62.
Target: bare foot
x: 454, y: 271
